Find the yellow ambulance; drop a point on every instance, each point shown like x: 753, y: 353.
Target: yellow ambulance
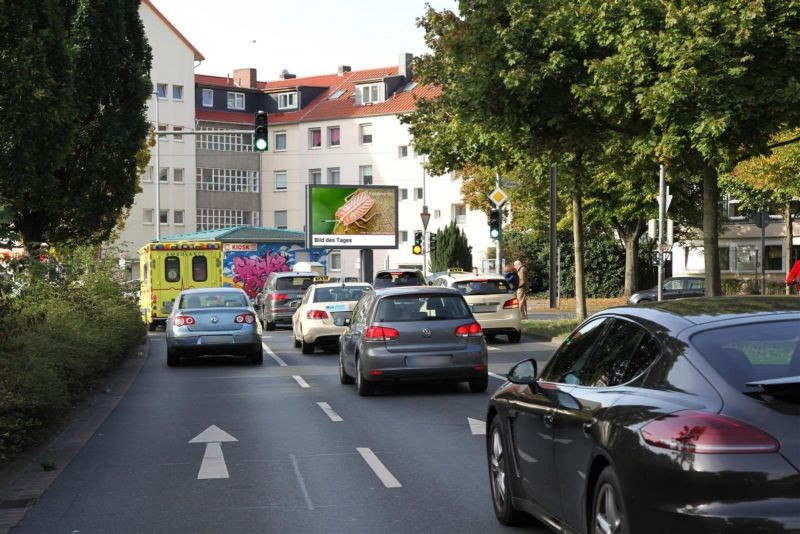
x: 169, y: 267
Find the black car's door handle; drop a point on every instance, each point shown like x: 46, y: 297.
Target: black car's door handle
x: 548, y: 419
x: 587, y: 427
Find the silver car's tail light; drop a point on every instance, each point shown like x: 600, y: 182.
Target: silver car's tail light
x: 183, y: 320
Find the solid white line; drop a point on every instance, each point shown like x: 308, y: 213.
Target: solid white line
x: 273, y: 355
x: 476, y: 426
x: 377, y: 466
x: 213, y: 465
x: 299, y: 380
x: 335, y: 417
x: 301, y: 481
x: 497, y: 376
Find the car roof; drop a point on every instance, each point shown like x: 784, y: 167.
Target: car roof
x: 340, y: 284
x: 470, y: 276
x: 292, y: 273
x: 202, y: 290
x: 397, y: 271
x: 415, y: 290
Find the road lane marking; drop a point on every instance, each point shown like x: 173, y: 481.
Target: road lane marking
x: 378, y: 468
x: 299, y: 380
x: 499, y: 377
x: 493, y: 348
x: 301, y: 482
x: 213, y: 465
x: 335, y: 417
x: 476, y: 426
x: 273, y: 355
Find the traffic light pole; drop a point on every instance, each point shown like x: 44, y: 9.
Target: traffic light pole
x: 499, y: 257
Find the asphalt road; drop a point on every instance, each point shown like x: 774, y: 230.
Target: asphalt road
x: 310, y: 455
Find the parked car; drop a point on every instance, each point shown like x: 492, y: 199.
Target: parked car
x: 399, y: 277
x: 281, y: 296
x: 491, y: 300
x: 678, y: 416
x: 412, y: 333
x: 313, y: 322
x: 213, y: 321
x: 677, y: 287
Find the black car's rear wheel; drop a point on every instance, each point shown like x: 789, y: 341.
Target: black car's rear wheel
x: 364, y: 387
x: 499, y: 474
x: 344, y: 378
x: 608, y: 510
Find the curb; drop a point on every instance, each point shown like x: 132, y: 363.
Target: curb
x: 24, y: 480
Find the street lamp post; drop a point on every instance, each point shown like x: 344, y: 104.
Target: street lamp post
x: 158, y: 173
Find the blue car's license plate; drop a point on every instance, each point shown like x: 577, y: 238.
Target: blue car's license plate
x: 215, y: 340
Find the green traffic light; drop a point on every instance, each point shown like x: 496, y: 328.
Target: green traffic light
x: 261, y: 144
x: 494, y: 233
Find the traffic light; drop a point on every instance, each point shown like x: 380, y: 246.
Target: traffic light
x: 417, y: 248
x: 431, y: 242
x: 260, y: 134
x: 494, y: 224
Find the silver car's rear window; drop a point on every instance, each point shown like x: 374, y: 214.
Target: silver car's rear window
x: 747, y: 353
x: 213, y: 300
x: 422, y: 308
x: 338, y: 294
x: 482, y: 287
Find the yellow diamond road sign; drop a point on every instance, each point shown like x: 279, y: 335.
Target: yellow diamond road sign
x: 498, y: 197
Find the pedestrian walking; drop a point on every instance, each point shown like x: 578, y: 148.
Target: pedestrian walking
x: 511, y: 276
x: 522, y: 289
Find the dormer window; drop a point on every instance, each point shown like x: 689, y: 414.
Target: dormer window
x: 287, y: 101
x: 235, y: 100
x: 371, y: 93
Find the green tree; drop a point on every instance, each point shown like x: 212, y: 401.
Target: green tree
x: 73, y: 183
x: 452, y: 249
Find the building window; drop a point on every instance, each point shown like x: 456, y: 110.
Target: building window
x: 235, y: 100
x: 280, y: 180
x: 724, y: 258
x: 402, y: 151
x: 163, y: 174
x: 287, y: 101
x: 365, y: 134
x: 280, y: 141
x: 418, y: 193
x: 161, y: 90
x: 208, y: 98
x: 213, y: 219
x: 281, y: 220
x: 219, y: 140
x: 459, y: 213
x: 177, y: 176
x: 177, y: 217
x: 333, y: 176
x: 314, y: 138
x: 333, y: 136
x: 148, y: 174
x: 404, y: 194
x: 774, y: 257
x: 371, y: 93
x: 177, y: 136
x: 403, y: 236
x: 147, y: 216
x: 177, y: 92
x: 163, y: 216
x: 365, y: 174
x: 746, y: 258
x: 227, y: 180
x: 335, y: 261
x: 315, y: 176
x: 162, y: 128
x: 733, y: 210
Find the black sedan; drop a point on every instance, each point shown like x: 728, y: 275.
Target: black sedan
x: 680, y: 416
x: 676, y: 287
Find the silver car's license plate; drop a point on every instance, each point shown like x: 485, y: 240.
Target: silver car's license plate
x: 429, y: 361
x: 215, y: 340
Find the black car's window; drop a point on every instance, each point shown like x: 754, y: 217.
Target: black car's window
x: 673, y: 285
x: 568, y: 363
x: 695, y: 283
x: 482, y: 287
x: 199, y: 269
x: 338, y: 294
x: 397, y: 279
x: 422, y: 308
x: 172, y: 268
x: 751, y: 352
x: 623, y: 352
x: 293, y: 283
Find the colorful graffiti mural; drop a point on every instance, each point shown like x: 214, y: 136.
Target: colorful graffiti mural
x: 247, y: 265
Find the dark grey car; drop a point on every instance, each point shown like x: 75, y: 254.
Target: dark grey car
x: 677, y: 287
x: 419, y: 333
x: 281, y: 296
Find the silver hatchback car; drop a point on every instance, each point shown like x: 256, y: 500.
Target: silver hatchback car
x: 213, y: 321
x: 418, y: 333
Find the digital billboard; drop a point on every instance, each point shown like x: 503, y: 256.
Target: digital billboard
x: 352, y: 216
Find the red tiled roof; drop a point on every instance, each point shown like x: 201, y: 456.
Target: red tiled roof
x: 322, y: 107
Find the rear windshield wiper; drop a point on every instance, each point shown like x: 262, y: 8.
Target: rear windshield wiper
x: 786, y: 388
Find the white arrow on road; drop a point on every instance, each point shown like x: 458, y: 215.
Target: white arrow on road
x: 476, y: 426
x: 213, y: 465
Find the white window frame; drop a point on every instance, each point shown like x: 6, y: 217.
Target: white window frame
x: 182, y: 217
x: 311, y: 173
x: 177, y: 136
x: 280, y: 135
x: 287, y: 100
x: 364, y: 131
x: 163, y: 214
x: 362, y: 175
x: 311, y: 144
x: 403, y: 194
x: 403, y: 236
x: 402, y: 152
x: 286, y: 217
x: 213, y: 218
x: 148, y: 216
x: 177, y: 89
x: 238, y: 100
x: 372, y: 93
x: 161, y: 91
x: 227, y: 180
x: 459, y: 212
x: 176, y: 172
x: 333, y: 257
x: 418, y: 193
x: 331, y: 171
x: 148, y: 174
x: 163, y: 171
x: 208, y: 98
x: 277, y: 182
x: 329, y: 133
x: 216, y: 139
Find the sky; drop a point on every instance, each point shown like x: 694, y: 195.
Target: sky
x: 305, y: 37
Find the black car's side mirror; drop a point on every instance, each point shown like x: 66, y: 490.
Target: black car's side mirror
x: 523, y: 373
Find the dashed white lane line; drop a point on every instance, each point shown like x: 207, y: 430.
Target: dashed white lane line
x: 273, y: 355
x: 494, y: 375
x: 494, y: 348
x: 299, y: 380
x: 335, y: 417
x: 378, y: 468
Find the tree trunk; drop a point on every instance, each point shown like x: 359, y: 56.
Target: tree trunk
x: 577, y: 237
x: 711, y: 231
x: 787, y: 216
x: 31, y: 226
x: 631, y: 242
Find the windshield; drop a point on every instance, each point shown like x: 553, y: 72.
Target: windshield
x: 213, y: 300
x: 422, y: 308
x: 747, y: 353
x: 294, y: 283
x: 338, y: 294
x: 482, y: 287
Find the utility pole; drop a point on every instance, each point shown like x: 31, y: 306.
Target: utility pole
x: 554, y: 264
x: 499, y: 257
x: 158, y: 174
x: 663, y: 205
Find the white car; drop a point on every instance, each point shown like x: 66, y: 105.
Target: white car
x: 312, y: 323
x: 492, y: 301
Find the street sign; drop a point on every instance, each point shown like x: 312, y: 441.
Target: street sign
x: 669, y: 200
x: 425, y: 216
x: 761, y: 219
x: 498, y: 197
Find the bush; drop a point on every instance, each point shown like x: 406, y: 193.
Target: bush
x: 65, y: 326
